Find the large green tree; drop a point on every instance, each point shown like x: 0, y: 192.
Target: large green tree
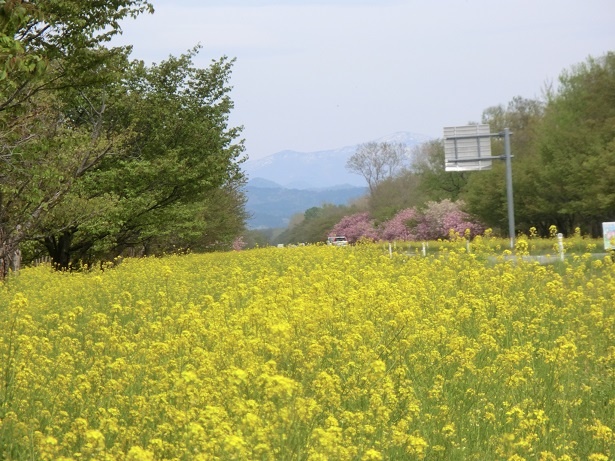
x: 100, y: 154
x: 176, y: 182
x: 46, y: 47
x: 485, y: 191
x: 576, y: 148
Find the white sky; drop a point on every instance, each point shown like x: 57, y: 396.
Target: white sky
x: 316, y: 75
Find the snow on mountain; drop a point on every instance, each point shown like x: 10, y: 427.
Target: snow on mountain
x: 405, y: 137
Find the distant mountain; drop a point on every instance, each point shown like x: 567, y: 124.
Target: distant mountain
x: 290, y: 182
x: 263, y: 183
x: 405, y: 137
x: 317, y: 170
x: 300, y: 170
x: 272, y: 207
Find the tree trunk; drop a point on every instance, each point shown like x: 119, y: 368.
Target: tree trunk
x: 59, y: 249
x: 10, y: 258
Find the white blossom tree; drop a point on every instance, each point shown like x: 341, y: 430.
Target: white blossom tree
x: 377, y: 161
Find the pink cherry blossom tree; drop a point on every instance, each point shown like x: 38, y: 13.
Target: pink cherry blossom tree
x: 435, y: 222
x: 439, y: 218
x: 401, y: 226
x: 356, y: 226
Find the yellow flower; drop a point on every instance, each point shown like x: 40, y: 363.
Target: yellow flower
x: 597, y: 457
x: 139, y: 454
x: 416, y: 446
x: 265, y: 354
x: 372, y: 455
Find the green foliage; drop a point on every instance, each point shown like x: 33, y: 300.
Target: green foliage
x: 16, y: 63
x: 395, y: 194
x: 258, y: 238
x: 436, y: 183
x: 52, y: 44
x: 175, y: 180
x: 577, y: 146
x: 564, y: 155
x: 315, y: 226
x: 100, y: 154
x: 485, y: 192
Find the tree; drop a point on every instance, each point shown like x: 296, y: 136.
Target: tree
x: 401, y: 226
x: 53, y: 44
x: 485, y: 191
x: 222, y: 219
x: 436, y: 183
x: 439, y: 219
x: 315, y: 225
x: 356, y: 227
x: 434, y: 220
x: 377, y: 161
x: 257, y: 238
x: 46, y: 47
x: 177, y: 182
x: 564, y: 155
x: 576, y: 147
x: 395, y: 194
x: 45, y: 156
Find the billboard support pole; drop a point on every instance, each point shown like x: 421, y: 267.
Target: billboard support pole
x: 509, y: 189
x: 459, y: 149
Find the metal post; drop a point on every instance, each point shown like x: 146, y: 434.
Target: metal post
x: 467, y: 133
x: 509, y: 189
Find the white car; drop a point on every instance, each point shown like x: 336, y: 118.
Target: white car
x: 338, y: 241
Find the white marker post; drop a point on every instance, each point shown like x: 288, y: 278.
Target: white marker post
x: 560, y: 245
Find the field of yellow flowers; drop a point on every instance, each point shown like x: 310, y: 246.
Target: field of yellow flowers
x: 311, y: 353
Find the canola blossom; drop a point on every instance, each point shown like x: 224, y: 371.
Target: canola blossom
x: 310, y: 353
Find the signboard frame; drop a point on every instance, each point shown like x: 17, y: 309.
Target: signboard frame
x: 467, y: 148
x: 475, y: 139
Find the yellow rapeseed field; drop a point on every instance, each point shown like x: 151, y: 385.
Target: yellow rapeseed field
x: 311, y: 353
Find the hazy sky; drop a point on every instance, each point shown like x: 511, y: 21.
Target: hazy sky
x: 321, y: 74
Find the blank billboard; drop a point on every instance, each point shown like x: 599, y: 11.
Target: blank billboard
x: 467, y: 148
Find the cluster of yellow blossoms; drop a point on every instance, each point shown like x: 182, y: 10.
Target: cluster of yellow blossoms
x: 310, y: 353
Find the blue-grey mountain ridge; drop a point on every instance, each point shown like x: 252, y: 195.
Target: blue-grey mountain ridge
x: 290, y: 182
